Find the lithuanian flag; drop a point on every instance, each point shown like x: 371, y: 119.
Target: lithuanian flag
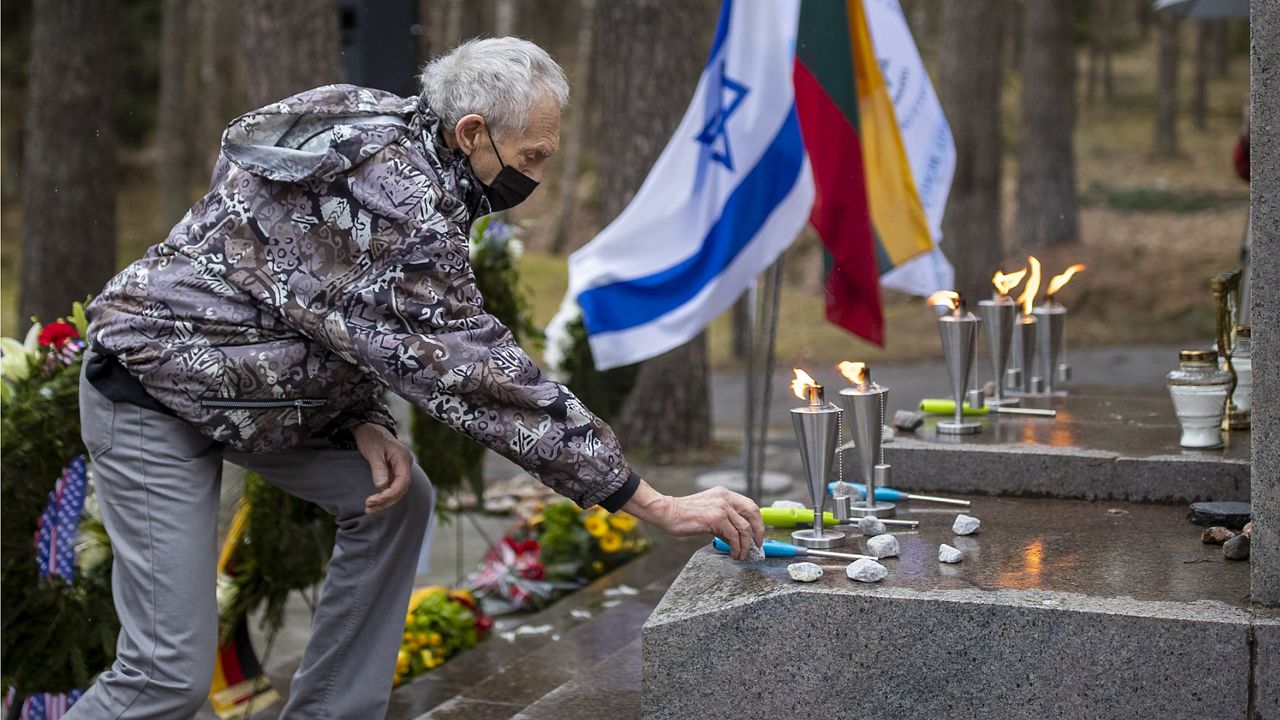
x: 867, y: 210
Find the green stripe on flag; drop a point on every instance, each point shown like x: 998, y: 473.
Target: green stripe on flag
x: 823, y: 46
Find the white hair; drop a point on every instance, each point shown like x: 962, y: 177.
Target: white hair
x: 499, y: 79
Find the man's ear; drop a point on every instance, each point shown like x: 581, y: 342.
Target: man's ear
x: 468, y: 132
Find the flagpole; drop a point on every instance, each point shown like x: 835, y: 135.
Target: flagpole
x: 763, y: 300
x: 749, y: 474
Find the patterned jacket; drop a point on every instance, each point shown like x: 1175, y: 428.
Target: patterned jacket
x: 328, y: 261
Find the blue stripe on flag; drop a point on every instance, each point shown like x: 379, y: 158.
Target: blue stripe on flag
x: 722, y: 30
x: 626, y: 304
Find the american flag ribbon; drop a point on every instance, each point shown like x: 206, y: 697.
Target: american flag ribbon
x: 59, y: 525
x: 57, y: 530
x: 44, y: 706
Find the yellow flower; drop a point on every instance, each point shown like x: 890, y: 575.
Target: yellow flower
x: 611, y: 542
x: 402, y: 662
x: 421, y: 639
x: 596, y: 526
x: 623, y: 522
x: 434, y: 639
x: 597, y: 566
x: 427, y: 658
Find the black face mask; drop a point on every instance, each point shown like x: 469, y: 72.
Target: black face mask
x: 510, y: 187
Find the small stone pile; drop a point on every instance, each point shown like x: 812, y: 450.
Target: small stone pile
x: 1234, y: 546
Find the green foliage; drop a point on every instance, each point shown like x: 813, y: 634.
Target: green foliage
x: 456, y: 461
x: 603, y: 392
x: 564, y: 540
x: 286, y: 546
x: 56, y: 635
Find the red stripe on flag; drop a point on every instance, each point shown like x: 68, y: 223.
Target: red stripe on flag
x: 230, y: 660
x: 841, y: 214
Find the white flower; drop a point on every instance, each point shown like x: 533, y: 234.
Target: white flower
x: 15, y: 356
x: 559, y: 339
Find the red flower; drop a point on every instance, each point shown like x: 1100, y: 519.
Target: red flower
x: 57, y: 334
x: 528, y: 546
x: 533, y: 571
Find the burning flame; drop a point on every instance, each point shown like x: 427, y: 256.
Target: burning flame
x: 854, y: 372
x: 949, y: 298
x: 1059, y: 280
x: 801, y: 384
x: 1028, y: 296
x: 1004, y: 283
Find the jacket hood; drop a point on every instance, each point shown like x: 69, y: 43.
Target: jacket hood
x: 320, y: 133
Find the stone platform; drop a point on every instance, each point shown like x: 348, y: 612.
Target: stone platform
x: 1108, y: 442
x: 1060, y: 609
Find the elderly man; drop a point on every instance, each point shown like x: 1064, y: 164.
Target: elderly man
x: 327, y: 262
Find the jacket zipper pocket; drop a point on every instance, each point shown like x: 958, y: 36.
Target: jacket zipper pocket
x: 263, y: 404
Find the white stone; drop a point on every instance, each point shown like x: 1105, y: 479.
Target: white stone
x: 788, y: 504
x: 804, y: 571
x: 866, y: 570
x: 755, y: 554
x: 883, y: 546
x: 965, y: 525
x: 871, y: 526
x: 948, y: 554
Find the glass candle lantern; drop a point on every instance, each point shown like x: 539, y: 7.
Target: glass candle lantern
x: 1199, y: 390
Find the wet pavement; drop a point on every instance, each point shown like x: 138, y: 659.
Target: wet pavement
x: 1101, y: 550
x: 1111, y: 442
x: 1130, y: 420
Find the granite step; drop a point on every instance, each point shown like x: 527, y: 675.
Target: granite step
x: 610, y: 689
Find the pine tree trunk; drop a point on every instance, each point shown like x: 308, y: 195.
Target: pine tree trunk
x: 222, y: 79
x: 574, y: 139
x: 1047, y: 204
x: 1102, y: 34
x: 1200, y: 96
x: 1221, y: 48
x: 173, y: 126
x: 1146, y: 17
x: 1166, y: 130
x: 291, y: 46
x: 505, y: 12
x: 69, y: 172
x: 1013, y: 12
x: 969, y: 79
x: 453, y: 24
x: 669, y: 409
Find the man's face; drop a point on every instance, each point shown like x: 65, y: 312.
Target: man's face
x: 527, y: 153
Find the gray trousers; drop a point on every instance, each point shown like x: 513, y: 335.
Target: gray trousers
x: 158, y: 480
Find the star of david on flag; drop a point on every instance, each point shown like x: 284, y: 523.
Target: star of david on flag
x: 714, y: 136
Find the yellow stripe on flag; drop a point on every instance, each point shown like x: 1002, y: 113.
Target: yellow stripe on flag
x: 896, y: 211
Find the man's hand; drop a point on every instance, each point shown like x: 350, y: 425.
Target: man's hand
x: 719, y: 511
x: 389, y: 460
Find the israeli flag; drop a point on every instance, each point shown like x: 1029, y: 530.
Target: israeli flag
x: 729, y: 193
